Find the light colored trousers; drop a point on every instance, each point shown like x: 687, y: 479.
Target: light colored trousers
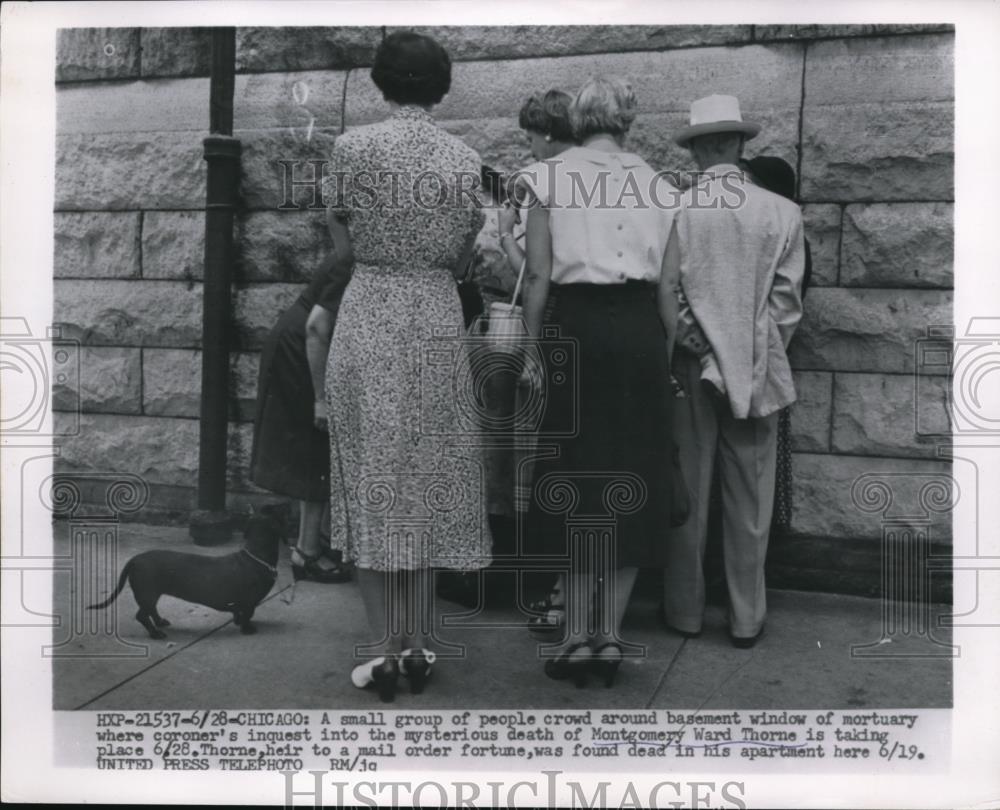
x: 744, y: 451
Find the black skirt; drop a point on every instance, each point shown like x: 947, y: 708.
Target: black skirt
x: 605, y: 425
x: 290, y: 456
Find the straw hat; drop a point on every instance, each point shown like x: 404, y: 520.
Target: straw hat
x: 715, y: 114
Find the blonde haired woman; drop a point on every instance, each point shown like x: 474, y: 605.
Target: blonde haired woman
x: 597, y: 235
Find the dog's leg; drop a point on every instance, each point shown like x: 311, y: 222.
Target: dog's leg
x: 143, y: 617
x: 243, y: 617
x: 158, y: 620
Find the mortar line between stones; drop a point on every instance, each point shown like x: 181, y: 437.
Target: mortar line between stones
x: 142, y: 382
x: 930, y: 456
x: 840, y: 238
x: 343, y: 101
x: 833, y: 407
x: 802, y: 106
x: 142, y: 221
x: 723, y: 44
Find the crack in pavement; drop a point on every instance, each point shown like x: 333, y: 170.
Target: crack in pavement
x: 169, y: 655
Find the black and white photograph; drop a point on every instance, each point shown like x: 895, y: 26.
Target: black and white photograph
x: 610, y: 394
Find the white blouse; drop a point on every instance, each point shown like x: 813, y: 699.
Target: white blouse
x: 610, y: 215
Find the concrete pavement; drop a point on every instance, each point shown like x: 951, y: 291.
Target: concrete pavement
x: 302, y: 654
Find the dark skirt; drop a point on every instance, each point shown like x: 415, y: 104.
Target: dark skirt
x: 290, y: 456
x: 607, y: 417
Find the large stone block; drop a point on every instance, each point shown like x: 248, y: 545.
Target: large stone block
x: 482, y: 42
x: 109, y: 382
x: 767, y: 32
x: 305, y: 48
x: 96, y: 244
x: 176, y: 51
x: 810, y: 428
x: 156, y: 105
x: 866, y: 330
x: 898, y: 245
x: 869, y: 71
x: 283, y: 169
x: 129, y: 313
x: 503, y: 145
x: 161, y: 450
x: 300, y: 101
x: 878, y: 119
x: 239, y: 454
x: 652, y: 137
x: 830, y: 501
x: 257, y: 308
x: 877, y: 414
x: 171, y: 380
x: 173, y: 245
x: 83, y: 54
x: 500, y: 142
x: 763, y: 77
x: 244, y: 372
x: 878, y: 151
x: 822, y: 224
x: 283, y: 245
x: 129, y: 171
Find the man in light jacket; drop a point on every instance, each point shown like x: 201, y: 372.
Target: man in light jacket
x: 742, y: 257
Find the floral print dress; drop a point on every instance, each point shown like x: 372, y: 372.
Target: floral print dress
x: 407, y: 480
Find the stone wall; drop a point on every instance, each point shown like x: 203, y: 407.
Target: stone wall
x: 864, y: 112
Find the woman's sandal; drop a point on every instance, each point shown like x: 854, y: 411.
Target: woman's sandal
x: 571, y: 664
x: 551, y: 615
x: 415, y: 664
x: 382, y: 673
x: 310, y: 569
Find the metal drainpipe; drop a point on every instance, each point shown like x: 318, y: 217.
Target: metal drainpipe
x: 210, y: 523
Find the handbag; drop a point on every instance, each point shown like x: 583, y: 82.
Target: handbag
x: 506, y: 327
x: 472, y: 302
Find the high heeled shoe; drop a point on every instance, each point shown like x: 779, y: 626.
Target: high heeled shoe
x: 382, y: 673
x: 607, y: 658
x: 415, y: 664
x: 310, y: 569
x: 572, y: 663
x: 550, y: 613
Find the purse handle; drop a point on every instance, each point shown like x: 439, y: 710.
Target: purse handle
x: 520, y: 278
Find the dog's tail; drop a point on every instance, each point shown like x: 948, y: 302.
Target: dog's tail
x: 118, y: 590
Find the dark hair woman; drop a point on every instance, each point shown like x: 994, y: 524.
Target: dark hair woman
x: 290, y: 455
x: 412, y: 69
x: 401, y: 503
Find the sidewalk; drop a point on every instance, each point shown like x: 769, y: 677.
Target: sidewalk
x: 301, y: 655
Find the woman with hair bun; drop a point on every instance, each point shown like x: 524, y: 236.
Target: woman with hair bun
x: 404, y: 498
